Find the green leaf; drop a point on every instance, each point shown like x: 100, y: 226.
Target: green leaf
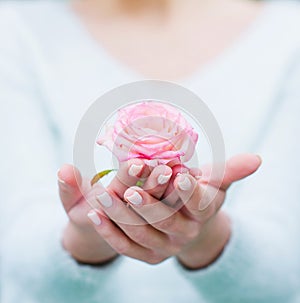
x: 100, y: 175
x: 139, y: 183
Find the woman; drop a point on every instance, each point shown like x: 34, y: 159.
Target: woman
x: 238, y: 56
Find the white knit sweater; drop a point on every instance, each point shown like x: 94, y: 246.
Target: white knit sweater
x: 51, y: 70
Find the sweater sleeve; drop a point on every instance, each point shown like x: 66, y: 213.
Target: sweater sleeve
x: 34, y: 266
x: 261, y: 261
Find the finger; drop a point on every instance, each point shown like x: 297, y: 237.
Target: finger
x: 170, y: 196
x: 195, y: 172
x: 70, y: 186
x: 129, y: 173
x: 202, y: 201
x: 236, y: 168
x: 188, y: 191
x: 87, y: 201
x: 156, y: 213
x: 114, y: 208
x: 129, y: 221
x: 158, y: 181
x: 239, y: 167
x: 117, y: 240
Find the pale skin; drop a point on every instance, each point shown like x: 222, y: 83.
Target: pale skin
x: 183, y: 36
x: 195, y: 235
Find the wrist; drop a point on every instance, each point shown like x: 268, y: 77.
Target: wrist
x: 86, y: 246
x: 210, y: 244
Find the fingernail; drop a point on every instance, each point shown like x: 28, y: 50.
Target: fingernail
x: 163, y: 179
x: 61, y: 181
x: 92, y: 215
x: 134, y: 170
x: 152, y: 163
x: 135, y: 198
x: 184, y: 182
x: 105, y: 199
x: 259, y: 158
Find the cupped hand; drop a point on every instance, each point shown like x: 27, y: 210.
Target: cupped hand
x: 79, y: 237
x: 172, y: 215
x: 78, y: 197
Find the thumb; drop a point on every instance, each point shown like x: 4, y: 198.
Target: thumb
x: 239, y: 167
x: 69, y: 183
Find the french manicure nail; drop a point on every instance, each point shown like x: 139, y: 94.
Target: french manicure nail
x: 259, y: 157
x: 92, y: 215
x: 152, y: 162
x: 135, y: 198
x: 58, y: 177
x: 61, y: 181
x: 105, y: 199
x: 134, y: 170
x: 184, y: 182
x: 163, y: 179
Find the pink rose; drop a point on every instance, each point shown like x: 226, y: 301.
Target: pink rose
x: 153, y: 131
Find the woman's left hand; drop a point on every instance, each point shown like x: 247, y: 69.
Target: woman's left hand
x: 172, y: 215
